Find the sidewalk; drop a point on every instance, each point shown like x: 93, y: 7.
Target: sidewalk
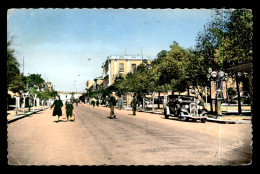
x: 11, y: 114
x: 231, y: 119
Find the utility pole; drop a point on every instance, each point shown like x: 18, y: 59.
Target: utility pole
x: 23, y: 64
x: 142, y: 52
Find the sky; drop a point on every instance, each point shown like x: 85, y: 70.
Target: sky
x: 57, y: 43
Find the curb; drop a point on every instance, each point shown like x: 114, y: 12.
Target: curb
x: 209, y: 119
x: 229, y: 121
x: 214, y: 120
x: 22, y: 116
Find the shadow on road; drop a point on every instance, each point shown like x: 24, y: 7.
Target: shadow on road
x: 57, y: 121
x: 111, y: 117
x: 176, y: 119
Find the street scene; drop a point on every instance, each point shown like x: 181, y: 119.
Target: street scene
x: 129, y: 87
x: 147, y: 139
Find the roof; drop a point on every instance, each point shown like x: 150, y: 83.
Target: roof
x: 131, y: 57
x: 99, y: 78
x: 247, y: 67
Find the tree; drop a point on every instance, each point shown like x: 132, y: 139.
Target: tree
x: 15, y: 80
x: 227, y: 41
x: 170, y: 73
x: 34, y: 81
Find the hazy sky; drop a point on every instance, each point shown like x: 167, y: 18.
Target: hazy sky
x: 58, y: 42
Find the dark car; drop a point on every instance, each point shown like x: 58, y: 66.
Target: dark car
x: 185, y: 108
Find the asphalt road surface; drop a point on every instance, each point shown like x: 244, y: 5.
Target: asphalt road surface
x: 145, y: 139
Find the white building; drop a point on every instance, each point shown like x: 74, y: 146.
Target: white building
x: 67, y: 95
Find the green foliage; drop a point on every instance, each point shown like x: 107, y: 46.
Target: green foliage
x: 225, y: 41
x: 34, y: 81
x: 15, y: 80
x: 240, y: 33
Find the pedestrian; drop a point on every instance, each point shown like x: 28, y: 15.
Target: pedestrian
x: 57, y: 107
x: 112, y: 103
x: 69, y: 110
x: 97, y: 103
x: 93, y: 103
x: 134, y: 102
x: 201, y: 101
x: 120, y: 103
x: 66, y: 102
x: 77, y: 101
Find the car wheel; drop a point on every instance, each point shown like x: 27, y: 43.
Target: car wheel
x: 203, y: 120
x: 165, y: 114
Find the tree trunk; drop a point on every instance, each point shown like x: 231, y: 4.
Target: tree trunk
x: 159, y: 100
x: 143, y: 101
x: 250, y: 90
x: 238, y: 95
x: 153, y: 101
x: 211, y: 105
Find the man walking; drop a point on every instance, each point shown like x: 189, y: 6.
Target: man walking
x: 112, y: 103
x: 97, y: 103
x: 77, y: 101
x: 134, y: 102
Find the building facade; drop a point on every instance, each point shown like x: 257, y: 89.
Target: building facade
x: 98, y: 81
x: 49, y: 86
x: 89, y: 84
x: 120, y: 65
x: 64, y: 96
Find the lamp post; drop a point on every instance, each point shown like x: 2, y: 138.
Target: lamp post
x: 217, y: 77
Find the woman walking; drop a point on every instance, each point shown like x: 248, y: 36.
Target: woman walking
x: 57, y: 107
x: 69, y: 111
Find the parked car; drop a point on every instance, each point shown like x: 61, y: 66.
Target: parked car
x: 185, y: 108
x: 148, y: 104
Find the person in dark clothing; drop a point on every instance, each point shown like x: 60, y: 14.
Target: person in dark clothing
x: 112, y: 103
x: 120, y: 103
x: 69, y: 110
x: 134, y: 102
x: 97, y: 103
x: 77, y: 101
x: 93, y: 103
x: 57, y: 107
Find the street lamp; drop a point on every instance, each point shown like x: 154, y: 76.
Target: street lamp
x: 217, y: 77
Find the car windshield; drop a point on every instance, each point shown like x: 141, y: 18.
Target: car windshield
x: 187, y: 98
x: 173, y: 98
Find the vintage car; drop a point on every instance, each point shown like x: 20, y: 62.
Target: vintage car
x: 185, y: 108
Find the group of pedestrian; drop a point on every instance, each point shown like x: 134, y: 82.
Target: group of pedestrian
x: 94, y: 103
x: 112, y: 104
x: 57, y: 104
x: 57, y: 111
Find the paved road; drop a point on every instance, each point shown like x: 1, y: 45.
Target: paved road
x: 145, y: 139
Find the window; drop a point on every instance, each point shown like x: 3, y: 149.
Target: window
x: 133, y: 67
x: 121, y: 67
